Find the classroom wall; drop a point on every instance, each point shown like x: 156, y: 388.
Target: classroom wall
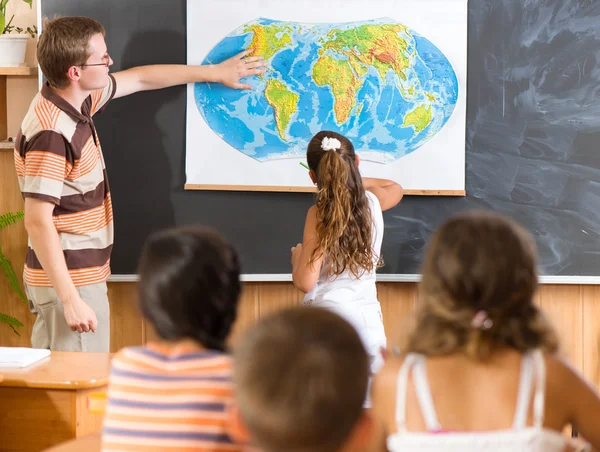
x: 574, y: 309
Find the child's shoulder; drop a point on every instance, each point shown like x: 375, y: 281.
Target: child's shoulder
x: 558, y: 366
x: 196, y: 363
x: 126, y: 352
x: 560, y: 372
x: 130, y: 355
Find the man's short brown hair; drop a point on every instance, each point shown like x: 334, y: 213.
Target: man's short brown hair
x: 63, y: 43
x: 300, y: 379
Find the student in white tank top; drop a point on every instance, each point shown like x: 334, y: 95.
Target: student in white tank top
x: 341, y: 248
x: 481, y: 371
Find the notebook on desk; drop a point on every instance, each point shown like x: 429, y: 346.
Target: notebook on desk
x: 18, y: 357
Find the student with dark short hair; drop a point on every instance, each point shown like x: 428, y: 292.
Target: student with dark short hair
x: 300, y: 378
x: 173, y: 394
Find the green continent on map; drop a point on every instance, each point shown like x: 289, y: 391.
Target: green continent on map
x: 266, y: 42
x: 379, y: 46
x: 283, y: 101
x: 419, y: 118
x: 343, y: 81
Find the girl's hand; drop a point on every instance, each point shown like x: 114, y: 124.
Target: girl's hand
x: 296, y: 253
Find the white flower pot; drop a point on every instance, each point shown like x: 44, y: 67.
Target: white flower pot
x: 12, y: 50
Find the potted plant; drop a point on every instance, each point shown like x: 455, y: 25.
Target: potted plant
x: 7, y: 268
x: 13, y: 39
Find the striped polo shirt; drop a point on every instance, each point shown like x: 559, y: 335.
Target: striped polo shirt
x: 58, y: 159
x: 168, y: 398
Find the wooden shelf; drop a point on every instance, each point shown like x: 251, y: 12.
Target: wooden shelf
x: 5, y: 72
x: 23, y: 70
x: 7, y: 145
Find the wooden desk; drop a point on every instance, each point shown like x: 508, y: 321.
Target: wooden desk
x: 46, y: 404
x: 87, y: 443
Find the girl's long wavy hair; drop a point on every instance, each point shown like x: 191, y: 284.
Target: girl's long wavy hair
x: 344, y: 221
x: 479, y: 261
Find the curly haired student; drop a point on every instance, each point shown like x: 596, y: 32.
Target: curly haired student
x: 481, y: 370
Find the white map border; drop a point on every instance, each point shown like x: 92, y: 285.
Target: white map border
x: 437, y: 165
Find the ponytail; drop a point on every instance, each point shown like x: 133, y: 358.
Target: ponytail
x: 344, y: 221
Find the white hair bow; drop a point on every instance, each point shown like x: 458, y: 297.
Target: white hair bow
x: 330, y: 144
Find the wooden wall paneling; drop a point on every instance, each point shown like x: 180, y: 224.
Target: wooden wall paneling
x: 591, y: 333
x: 247, y: 310
x: 274, y: 297
x: 398, y: 303
x: 149, y: 333
x: 537, y: 297
x: 564, y: 306
x: 126, y: 324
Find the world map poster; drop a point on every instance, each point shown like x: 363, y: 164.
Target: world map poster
x: 389, y: 75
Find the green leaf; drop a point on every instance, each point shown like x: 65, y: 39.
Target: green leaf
x: 11, y: 218
x: 11, y: 321
x: 6, y: 220
x: 2, y: 22
x: 29, y: 2
x: 3, y: 5
x: 8, y: 27
x: 9, y: 272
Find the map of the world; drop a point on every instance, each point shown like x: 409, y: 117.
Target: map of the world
x: 381, y: 84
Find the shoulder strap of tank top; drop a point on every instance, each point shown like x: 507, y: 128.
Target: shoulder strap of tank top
x: 402, y: 389
x: 424, y: 395
x: 524, y: 394
x: 540, y: 389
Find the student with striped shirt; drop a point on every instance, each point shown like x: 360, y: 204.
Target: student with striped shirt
x: 174, y: 394
x: 62, y: 176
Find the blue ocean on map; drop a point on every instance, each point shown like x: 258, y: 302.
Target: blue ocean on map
x: 381, y: 84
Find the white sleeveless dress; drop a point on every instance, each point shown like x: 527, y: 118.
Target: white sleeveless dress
x: 356, y: 299
x: 521, y: 437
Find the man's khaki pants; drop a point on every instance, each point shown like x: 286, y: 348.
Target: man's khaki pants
x: 50, y: 329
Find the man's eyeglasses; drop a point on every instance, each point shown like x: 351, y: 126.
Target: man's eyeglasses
x: 107, y: 63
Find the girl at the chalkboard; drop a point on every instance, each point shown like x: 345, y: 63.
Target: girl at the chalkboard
x: 335, y: 263
x: 480, y: 370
